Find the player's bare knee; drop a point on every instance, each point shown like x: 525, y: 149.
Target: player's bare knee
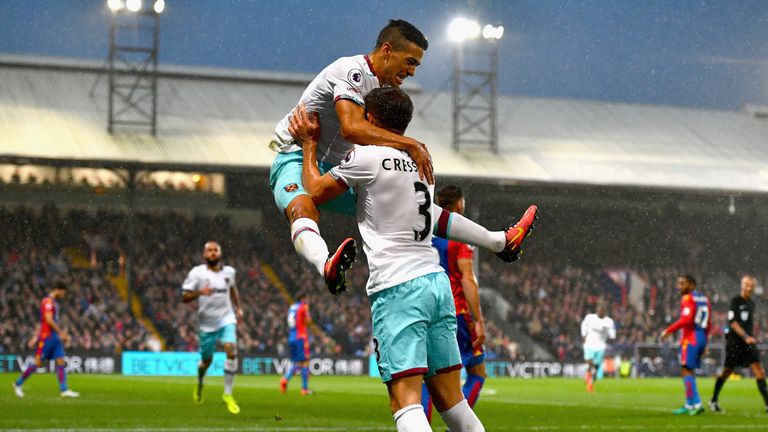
x: 302, y: 207
x: 230, y: 350
x: 59, y: 362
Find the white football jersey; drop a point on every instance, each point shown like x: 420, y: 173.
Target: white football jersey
x: 394, y: 214
x: 348, y: 78
x: 596, y: 331
x: 213, y: 311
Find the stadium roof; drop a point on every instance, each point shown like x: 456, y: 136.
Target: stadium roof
x: 53, y: 109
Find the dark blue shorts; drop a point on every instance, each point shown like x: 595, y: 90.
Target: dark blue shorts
x: 299, y: 349
x: 49, y: 348
x: 465, y: 335
x: 690, y: 354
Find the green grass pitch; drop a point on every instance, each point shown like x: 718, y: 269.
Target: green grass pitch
x: 348, y: 403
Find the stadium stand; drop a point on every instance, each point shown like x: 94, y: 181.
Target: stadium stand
x: 622, y: 189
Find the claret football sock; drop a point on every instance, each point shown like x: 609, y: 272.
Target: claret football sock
x: 691, y: 392
x: 27, y: 372
x: 307, y: 241
x: 61, y: 374
x: 472, y: 387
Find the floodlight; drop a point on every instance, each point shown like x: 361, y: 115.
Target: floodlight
x: 115, y: 5
x: 159, y: 6
x: 462, y: 29
x: 491, y: 32
x: 133, y: 5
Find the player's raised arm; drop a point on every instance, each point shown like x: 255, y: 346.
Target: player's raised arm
x: 356, y: 129
x: 305, y: 128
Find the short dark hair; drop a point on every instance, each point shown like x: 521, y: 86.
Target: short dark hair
x: 300, y: 296
x: 449, y: 196
x: 60, y: 286
x: 690, y: 279
x: 390, y: 106
x: 397, y: 31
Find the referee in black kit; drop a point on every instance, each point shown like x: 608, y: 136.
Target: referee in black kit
x: 741, y: 345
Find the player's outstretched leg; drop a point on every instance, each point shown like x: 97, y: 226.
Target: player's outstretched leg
x: 516, y: 233
x: 17, y: 386
x: 506, y: 244
x: 337, y: 264
x: 287, y: 377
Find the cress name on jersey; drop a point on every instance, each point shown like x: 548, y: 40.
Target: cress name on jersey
x: 349, y: 78
x: 394, y: 214
x: 214, y: 311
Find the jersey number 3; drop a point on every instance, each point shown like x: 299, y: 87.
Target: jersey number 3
x: 424, y: 211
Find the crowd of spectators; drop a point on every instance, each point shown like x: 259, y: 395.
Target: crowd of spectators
x: 32, y: 259
x: 549, y: 301
x: 548, y: 298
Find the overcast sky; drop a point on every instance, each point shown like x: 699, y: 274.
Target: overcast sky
x: 711, y: 54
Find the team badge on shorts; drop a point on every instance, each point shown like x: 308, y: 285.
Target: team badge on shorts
x: 293, y: 187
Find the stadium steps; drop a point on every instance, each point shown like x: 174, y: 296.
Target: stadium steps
x: 270, y: 273
x: 79, y: 260
x: 121, y: 286
x: 498, y: 312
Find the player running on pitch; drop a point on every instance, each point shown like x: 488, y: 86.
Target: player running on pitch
x: 414, y: 318
x: 218, y: 311
x: 596, y: 329
x: 50, y: 343
x: 298, y: 342
x: 741, y: 344
x: 337, y: 95
x: 695, y: 320
x: 457, y: 259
